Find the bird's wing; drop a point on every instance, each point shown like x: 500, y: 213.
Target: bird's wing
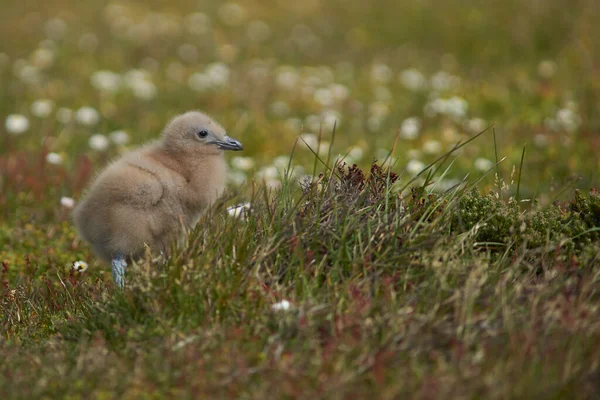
x: 135, y: 186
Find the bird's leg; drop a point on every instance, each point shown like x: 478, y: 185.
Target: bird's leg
x: 118, y: 269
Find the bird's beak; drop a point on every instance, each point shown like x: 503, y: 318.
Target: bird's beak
x: 229, y: 144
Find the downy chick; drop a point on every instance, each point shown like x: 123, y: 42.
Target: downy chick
x: 150, y: 196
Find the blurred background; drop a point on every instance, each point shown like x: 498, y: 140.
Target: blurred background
x: 82, y: 82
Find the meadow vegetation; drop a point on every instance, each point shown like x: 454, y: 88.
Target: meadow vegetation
x: 413, y: 216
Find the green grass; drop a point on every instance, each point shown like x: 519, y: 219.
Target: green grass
x: 476, y: 278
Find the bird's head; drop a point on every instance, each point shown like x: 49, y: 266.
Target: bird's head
x: 195, y: 132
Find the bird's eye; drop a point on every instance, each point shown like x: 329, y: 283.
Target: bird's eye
x: 203, y: 133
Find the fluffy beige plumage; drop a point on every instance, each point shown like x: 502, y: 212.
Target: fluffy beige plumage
x: 152, y: 194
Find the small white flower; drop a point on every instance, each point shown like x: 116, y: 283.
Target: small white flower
x: 547, y: 69
x: 80, y: 266
x: 199, y: 82
x: 269, y: 172
x: 188, y: 53
x: 476, y: 125
x: 309, y: 140
x: 67, y: 202
x: 414, y: 167
x: 339, y: 92
x: 374, y: 123
x: 568, y: 119
x: 356, y: 154
x: 413, y: 79
x: 239, y: 210
x: 242, y: 163
x: 236, y: 177
x: 16, y: 124
x: 381, y: 73
x: 432, y: 147
x: 42, y: 58
x: 410, y: 128
x: 540, y: 140
x: 54, y: 158
x: 64, y: 115
x: 42, y: 108
x: 283, y: 305
x: 324, y: 97
x: 483, y: 164
x: 107, y: 81
x: 258, y: 31
x: 197, y: 23
x: 281, y: 162
x: 280, y: 109
x: 232, y: 14
x: 55, y: 28
x: 382, y: 93
x: 442, y: 81
x: 87, y: 116
x: 120, y: 138
x: 218, y: 74
x: 98, y: 142
x: 143, y: 89
x: 287, y: 78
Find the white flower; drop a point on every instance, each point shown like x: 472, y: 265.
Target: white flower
x: 413, y: 79
x: 456, y: 107
x: 98, y: 142
x: 379, y: 109
x: 42, y: 58
x: 188, y: 52
x: 199, y: 82
x: 119, y: 137
x: 87, y: 116
x: 281, y: 162
x: 568, y: 119
x: 42, y: 108
x: 356, y: 154
x: 197, y: 23
x: 287, y: 78
x: 339, y: 92
x: 54, y: 158
x: 330, y: 119
x: 442, y: 81
x: 414, y: 167
x: 143, y: 89
x: 547, y: 69
x: 269, y: 172
x: 279, y: 109
x: 218, y: 73
x: 382, y: 93
x: 64, y: 115
x: 16, y: 124
x: 293, y: 124
x: 476, y: 125
x: 432, y: 147
x: 483, y: 164
x: 258, y: 31
x: 540, y: 140
x: 283, y: 305
x: 55, y: 28
x: 67, y: 202
x: 242, y: 163
x: 381, y: 73
x: 309, y: 140
x: 236, y: 177
x: 107, y: 81
x: 410, y: 128
x: 374, y: 123
x: 232, y: 14
x: 324, y: 97
x: 80, y: 266
x: 239, y: 210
